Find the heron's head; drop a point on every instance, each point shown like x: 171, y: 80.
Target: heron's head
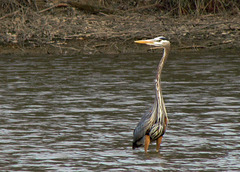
x: 160, y: 42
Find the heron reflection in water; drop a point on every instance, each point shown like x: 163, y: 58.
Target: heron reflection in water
x: 152, y: 125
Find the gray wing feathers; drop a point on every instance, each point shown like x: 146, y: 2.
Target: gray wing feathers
x: 142, y: 127
x: 145, y: 124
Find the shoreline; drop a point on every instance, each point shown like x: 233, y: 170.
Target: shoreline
x: 112, y: 49
x: 114, y: 34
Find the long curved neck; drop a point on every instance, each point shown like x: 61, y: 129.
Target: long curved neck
x: 159, y: 107
x: 161, y: 64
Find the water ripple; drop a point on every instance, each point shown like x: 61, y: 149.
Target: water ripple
x: 78, y: 113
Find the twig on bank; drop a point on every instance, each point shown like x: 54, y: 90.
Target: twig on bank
x: 100, y: 45
x: 142, y: 8
x: 90, y: 8
x: 71, y: 48
x: 54, y: 6
x: 10, y: 14
x: 192, y: 47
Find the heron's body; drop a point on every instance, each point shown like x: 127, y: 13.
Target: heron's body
x: 152, y: 125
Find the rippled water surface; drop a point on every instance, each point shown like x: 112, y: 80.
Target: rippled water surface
x: 78, y: 113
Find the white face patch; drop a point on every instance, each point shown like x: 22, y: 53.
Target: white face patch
x: 161, y: 43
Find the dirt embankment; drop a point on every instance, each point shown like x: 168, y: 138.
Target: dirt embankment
x: 64, y: 30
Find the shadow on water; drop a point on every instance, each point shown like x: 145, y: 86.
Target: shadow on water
x: 78, y: 113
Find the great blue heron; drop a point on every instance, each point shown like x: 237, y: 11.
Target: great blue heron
x: 152, y: 125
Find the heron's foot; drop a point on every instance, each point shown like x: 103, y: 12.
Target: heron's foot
x: 159, y: 141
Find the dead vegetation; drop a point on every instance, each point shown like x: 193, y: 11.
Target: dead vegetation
x: 104, y: 26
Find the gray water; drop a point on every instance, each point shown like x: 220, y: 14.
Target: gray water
x: 78, y: 113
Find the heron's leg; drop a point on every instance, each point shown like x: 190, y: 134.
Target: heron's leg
x: 146, y: 143
x: 159, y: 141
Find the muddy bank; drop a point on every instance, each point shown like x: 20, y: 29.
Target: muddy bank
x: 67, y: 32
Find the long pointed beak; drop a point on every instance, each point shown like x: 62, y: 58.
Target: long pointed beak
x: 148, y: 41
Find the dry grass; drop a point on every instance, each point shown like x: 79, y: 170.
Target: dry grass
x: 35, y: 23
x: 172, y: 7
x: 200, y: 7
